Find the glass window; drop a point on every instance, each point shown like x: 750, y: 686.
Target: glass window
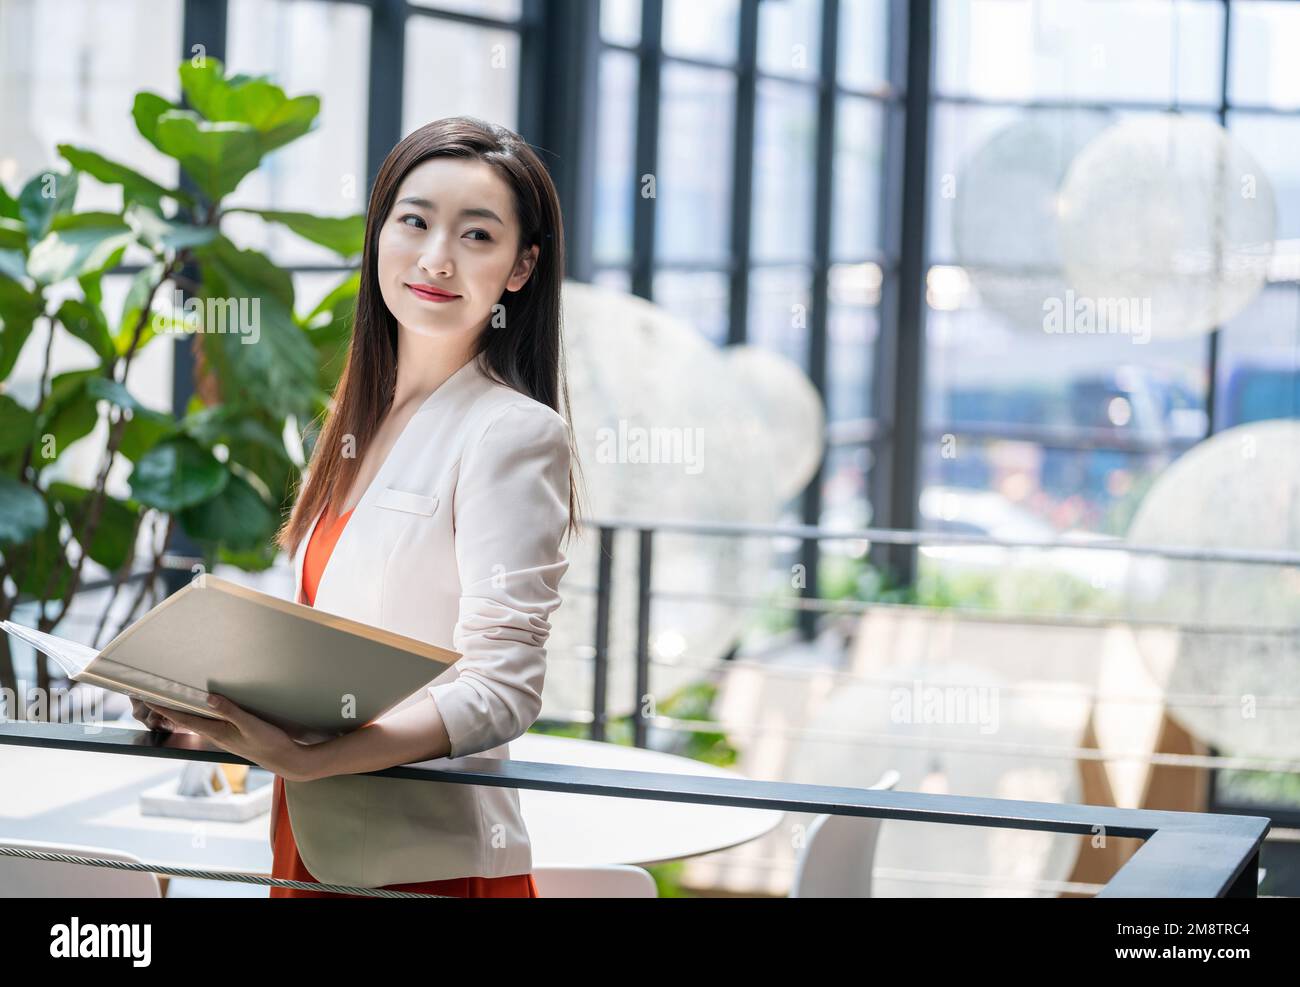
x: 699, y: 298
x: 1023, y: 490
x: 1273, y: 141
x: 789, y: 38
x: 863, y: 44
x: 617, y: 278
x: 1145, y: 50
x: 1259, y: 360
x: 305, y: 47
x: 704, y: 29
x: 620, y: 22
x: 69, y: 74
x: 785, y: 144
x: 1265, y: 38
x: 1006, y: 164
x: 617, y: 183
x: 853, y: 323
x: 857, y: 176
x: 779, y: 311
x: 454, y: 69
x: 845, y: 497
x: 499, y: 9
x: 982, y: 375
x: 693, y: 187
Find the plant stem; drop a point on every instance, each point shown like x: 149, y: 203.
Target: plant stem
x: 95, y: 504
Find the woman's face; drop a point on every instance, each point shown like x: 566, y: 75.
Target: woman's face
x: 452, y: 227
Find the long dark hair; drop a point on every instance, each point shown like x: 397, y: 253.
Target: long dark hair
x: 527, y: 354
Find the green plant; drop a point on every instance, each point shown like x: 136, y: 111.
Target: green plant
x: 223, y: 472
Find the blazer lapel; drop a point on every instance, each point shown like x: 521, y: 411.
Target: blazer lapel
x: 339, y: 568
x: 299, y: 558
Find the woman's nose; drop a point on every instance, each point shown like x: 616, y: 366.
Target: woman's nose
x: 435, y: 257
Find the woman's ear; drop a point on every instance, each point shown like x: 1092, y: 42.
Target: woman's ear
x: 523, y: 268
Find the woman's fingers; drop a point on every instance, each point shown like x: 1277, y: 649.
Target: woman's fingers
x: 150, y: 717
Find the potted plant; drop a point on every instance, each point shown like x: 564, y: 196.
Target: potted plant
x: 223, y: 472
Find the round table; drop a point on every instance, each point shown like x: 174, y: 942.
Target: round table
x: 91, y: 799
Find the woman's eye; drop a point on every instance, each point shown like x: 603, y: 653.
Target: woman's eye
x: 486, y: 237
x: 412, y: 215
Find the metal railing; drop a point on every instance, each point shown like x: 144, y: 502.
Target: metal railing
x: 1185, y: 854
x: 647, y: 529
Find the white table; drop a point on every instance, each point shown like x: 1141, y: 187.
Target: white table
x: 91, y: 799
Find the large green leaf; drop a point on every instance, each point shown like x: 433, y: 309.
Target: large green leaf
x: 345, y: 235
x: 273, y: 366
x: 77, y: 244
x: 86, y: 322
x: 252, y: 100
x: 116, y: 393
x: 236, y: 517
x: 16, y: 425
x: 175, y: 474
x: 114, y: 537
x: 146, y: 110
x: 216, y: 155
x: 329, y: 328
x: 257, y: 560
x: 142, y: 433
x: 44, y: 571
x: 135, y: 186
x: 13, y: 234
x: 19, y: 310
x: 13, y: 264
x: 69, y: 414
x: 230, y: 425
x: 165, y: 234
x: 138, y: 297
x: 251, y: 442
x: 9, y: 208
x: 46, y: 196
x: 144, y: 429
x: 23, y: 513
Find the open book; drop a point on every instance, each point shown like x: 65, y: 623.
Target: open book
x: 314, y: 674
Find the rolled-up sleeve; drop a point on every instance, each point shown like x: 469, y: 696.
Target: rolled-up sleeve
x: 511, y: 508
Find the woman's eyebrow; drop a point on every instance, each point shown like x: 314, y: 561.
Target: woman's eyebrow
x: 481, y: 211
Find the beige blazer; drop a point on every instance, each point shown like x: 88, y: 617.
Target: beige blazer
x: 455, y: 542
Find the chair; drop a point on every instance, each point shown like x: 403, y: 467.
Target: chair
x: 202, y: 887
x: 613, y: 881
x: 24, y: 878
x: 836, y: 859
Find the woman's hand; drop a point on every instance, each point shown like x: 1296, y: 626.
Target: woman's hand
x: 153, y: 717
x: 249, y: 736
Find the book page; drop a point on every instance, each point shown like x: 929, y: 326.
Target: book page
x: 70, y: 656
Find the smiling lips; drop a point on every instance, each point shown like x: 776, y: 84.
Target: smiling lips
x: 431, y: 294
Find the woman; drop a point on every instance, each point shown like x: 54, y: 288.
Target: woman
x: 438, y: 493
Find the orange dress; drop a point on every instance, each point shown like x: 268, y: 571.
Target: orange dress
x: 287, y: 864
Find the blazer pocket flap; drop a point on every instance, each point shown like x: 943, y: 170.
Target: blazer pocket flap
x: 405, y: 500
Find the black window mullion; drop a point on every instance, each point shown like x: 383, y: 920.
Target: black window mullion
x: 1213, y: 341
x: 387, y: 68
x: 898, y: 377
x: 557, y: 85
x: 647, y: 147
x: 742, y: 174
x: 810, y: 552
x: 203, y: 24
